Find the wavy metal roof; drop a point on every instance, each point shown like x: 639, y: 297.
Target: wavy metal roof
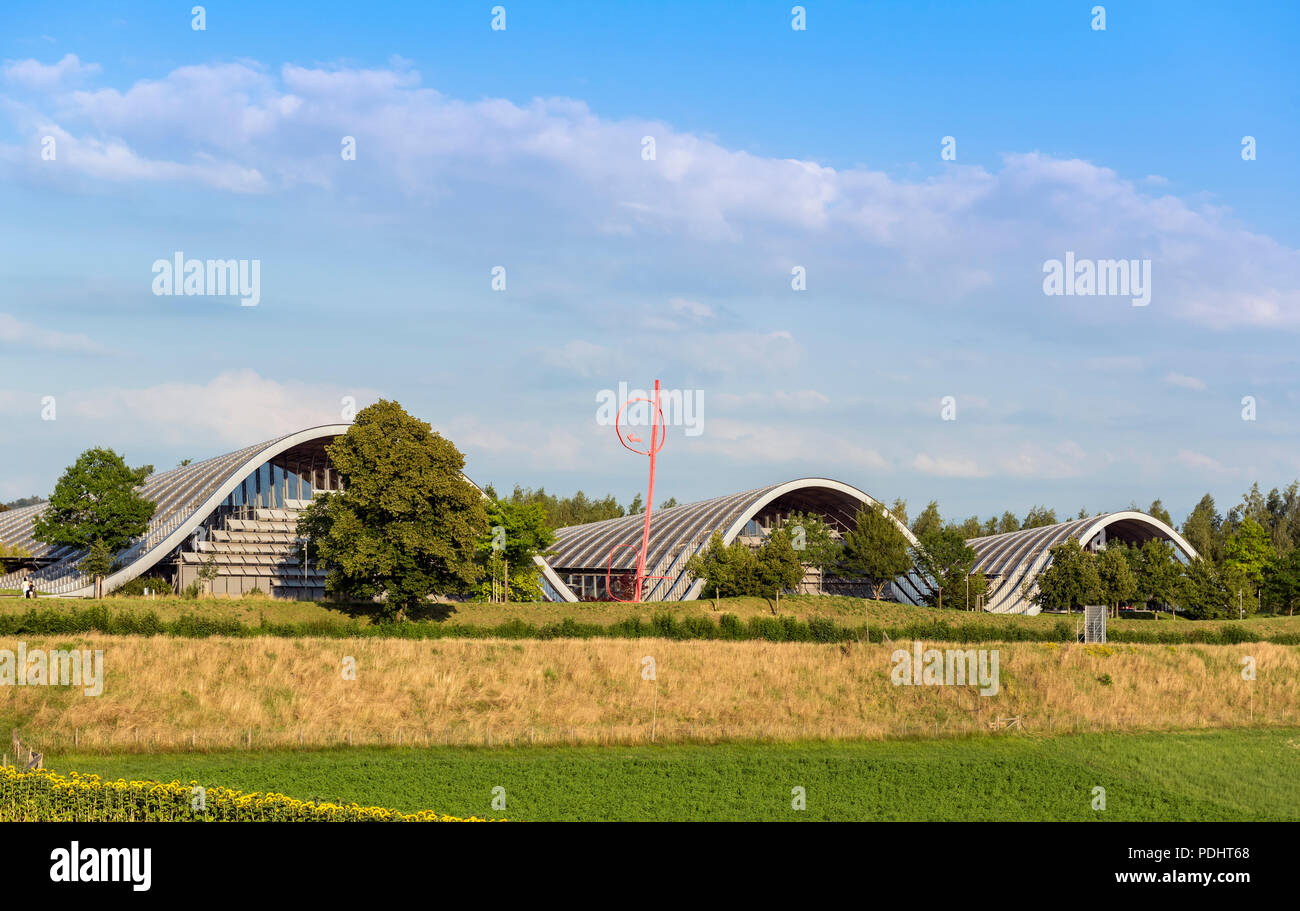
x: 185, y: 497
x: 1011, y: 558
x: 679, y: 532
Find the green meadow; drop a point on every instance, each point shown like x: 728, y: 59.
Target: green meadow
x: 1247, y: 774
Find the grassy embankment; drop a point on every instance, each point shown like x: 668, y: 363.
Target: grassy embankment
x: 163, y: 693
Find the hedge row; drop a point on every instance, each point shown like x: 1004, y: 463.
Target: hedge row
x: 50, y: 622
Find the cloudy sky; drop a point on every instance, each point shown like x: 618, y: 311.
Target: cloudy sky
x: 127, y: 136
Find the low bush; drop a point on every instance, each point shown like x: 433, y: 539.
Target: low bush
x: 99, y: 619
x: 136, y: 587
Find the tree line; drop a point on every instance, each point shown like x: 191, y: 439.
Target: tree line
x: 578, y: 509
x: 1248, y: 558
x: 407, y: 525
x: 875, y: 552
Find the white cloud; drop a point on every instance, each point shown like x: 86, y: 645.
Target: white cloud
x: 1183, y: 381
x: 1201, y: 462
x: 947, y: 467
x: 750, y: 442
x: 741, y: 352
x: 581, y: 358
x: 236, y: 407
x: 1114, y: 363
x: 115, y: 161
x: 693, y: 309
x: 532, y: 444
x: 800, y: 400
x: 14, y: 332
x: 36, y: 75
x: 678, y: 315
x: 242, y: 127
x: 1065, y: 459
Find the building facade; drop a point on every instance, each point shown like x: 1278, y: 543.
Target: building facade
x: 230, y: 523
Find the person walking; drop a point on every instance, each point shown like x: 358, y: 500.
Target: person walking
x: 27, y: 588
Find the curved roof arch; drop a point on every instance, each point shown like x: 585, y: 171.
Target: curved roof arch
x: 185, y: 497
x: 1012, y: 558
x: 679, y: 532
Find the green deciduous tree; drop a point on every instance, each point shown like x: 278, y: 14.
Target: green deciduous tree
x: 562, y: 512
x: 1249, y: 551
x: 726, y: 570
x: 1038, y: 517
x: 406, y: 524
x: 1118, y: 583
x: 13, y: 551
x: 1202, y: 592
x: 946, y: 559
x: 779, y: 564
x: 524, y: 534
x: 1070, y: 580
x: 929, y: 520
x: 1008, y: 522
x: 1243, y: 592
x: 812, y: 538
x: 1157, y: 571
x: 876, y: 549
x: 1282, y: 584
x: 96, y: 500
x: 98, y: 561
x: 95, y: 506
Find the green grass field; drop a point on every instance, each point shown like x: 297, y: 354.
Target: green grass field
x: 1204, y: 775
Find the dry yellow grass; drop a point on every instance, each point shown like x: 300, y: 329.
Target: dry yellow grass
x: 173, y: 693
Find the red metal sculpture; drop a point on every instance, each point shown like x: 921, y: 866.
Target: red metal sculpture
x: 657, y: 440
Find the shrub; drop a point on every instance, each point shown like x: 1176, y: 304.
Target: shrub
x: 135, y: 588
x: 823, y: 629
x: 98, y: 618
x: 729, y: 627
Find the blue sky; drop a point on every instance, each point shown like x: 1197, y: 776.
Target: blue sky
x: 775, y: 148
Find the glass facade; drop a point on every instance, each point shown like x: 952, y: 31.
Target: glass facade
x: 595, y: 587
x: 286, y: 482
